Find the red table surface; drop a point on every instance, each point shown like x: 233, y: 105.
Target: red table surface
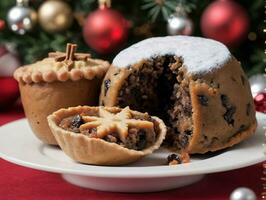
x: 18, y: 182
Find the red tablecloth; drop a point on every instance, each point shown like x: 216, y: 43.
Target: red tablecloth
x: 21, y: 183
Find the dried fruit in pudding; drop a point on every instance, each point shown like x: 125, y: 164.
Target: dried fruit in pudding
x: 194, y: 84
x: 175, y: 159
x: 106, y: 135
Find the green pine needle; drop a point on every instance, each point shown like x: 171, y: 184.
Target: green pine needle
x: 165, y: 12
x: 165, y: 7
x: 154, y: 12
x: 170, y: 5
x: 148, y: 5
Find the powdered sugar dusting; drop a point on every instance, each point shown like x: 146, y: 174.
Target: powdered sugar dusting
x: 199, y: 54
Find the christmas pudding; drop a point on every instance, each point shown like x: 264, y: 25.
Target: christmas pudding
x: 106, y: 135
x: 61, y: 80
x: 195, y: 85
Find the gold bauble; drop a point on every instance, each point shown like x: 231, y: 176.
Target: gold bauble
x: 55, y: 16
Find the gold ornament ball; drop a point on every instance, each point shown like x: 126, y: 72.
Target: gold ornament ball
x: 55, y: 16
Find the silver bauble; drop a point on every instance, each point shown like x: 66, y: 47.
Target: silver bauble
x: 243, y: 193
x: 179, y: 24
x: 257, y: 84
x: 21, y: 18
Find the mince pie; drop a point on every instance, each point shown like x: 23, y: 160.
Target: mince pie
x: 106, y: 135
x: 61, y: 80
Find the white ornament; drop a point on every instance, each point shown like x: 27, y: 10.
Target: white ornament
x: 21, y: 18
x: 257, y: 84
x: 179, y: 23
x: 9, y: 62
x: 243, y: 193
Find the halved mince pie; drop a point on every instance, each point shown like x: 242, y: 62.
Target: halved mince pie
x: 106, y: 135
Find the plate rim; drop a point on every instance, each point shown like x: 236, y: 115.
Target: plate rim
x: 123, y: 175
x: 165, y: 171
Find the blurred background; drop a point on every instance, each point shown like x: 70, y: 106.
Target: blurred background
x: 29, y: 29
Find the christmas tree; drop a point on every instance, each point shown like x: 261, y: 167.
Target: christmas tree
x: 137, y: 20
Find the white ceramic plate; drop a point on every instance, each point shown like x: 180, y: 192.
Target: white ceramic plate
x: 19, y: 145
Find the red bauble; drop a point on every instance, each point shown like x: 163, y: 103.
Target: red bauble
x: 2, y: 24
x: 9, y: 92
x: 225, y: 21
x: 260, y: 102
x: 105, y: 30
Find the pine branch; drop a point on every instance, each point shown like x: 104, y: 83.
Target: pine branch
x: 36, y: 44
x: 166, y: 7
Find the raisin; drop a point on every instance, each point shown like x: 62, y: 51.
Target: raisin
x: 203, y: 100
x: 233, y: 79
x: 137, y: 95
x: 107, y: 84
x: 228, y: 116
x: 188, y: 132
x: 144, y: 78
x: 173, y: 157
x: 230, y: 110
x: 225, y: 101
x: 183, y: 141
x: 142, y: 140
x: 77, y: 121
x: 248, y: 109
x: 241, y: 128
x: 243, y: 80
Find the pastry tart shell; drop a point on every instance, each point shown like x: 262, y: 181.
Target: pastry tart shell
x: 41, y: 99
x: 96, y: 151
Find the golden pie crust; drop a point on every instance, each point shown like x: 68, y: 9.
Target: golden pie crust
x: 49, y: 70
x: 97, y: 151
x: 41, y: 99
